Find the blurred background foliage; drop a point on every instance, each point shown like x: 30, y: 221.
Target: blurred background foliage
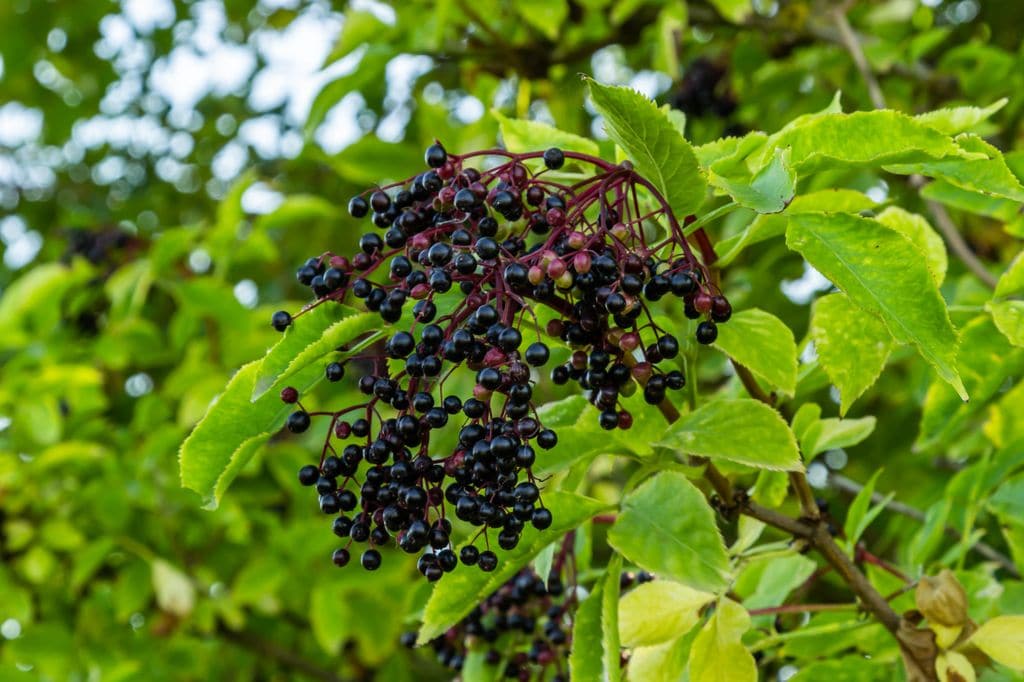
x: 164, y: 166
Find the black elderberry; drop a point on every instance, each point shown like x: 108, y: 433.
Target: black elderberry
x: 281, y: 320
x: 370, y: 560
x: 536, y: 354
x: 435, y: 156
x: 547, y: 439
x: 707, y: 332
x: 554, y: 158
x: 335, y: 371
x: 488, y: 561
x: 469, y: 555
x: 308, y: 475
x: 380, y: 201
x: 340, y: 557
x: 298, y: 421
x: 357, y: 207
x: 486, y: 248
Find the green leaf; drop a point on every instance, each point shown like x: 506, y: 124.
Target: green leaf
x: 768, y: 190
x: 917, y: 229
x: 299, y: 209
x: 318, y: 332
x: 1012, y: 281
x: 371, y: 161
x: 230, y: 433
x: 735, y: 11
x: 767, y: 581
x: 1002, y: 638
x: 666, y: 526
x: 954, y: 120
x: 743, y: 430
x: 359, y: 27
x: 863, y: 138
x: 660, y: 611
x: 764, y: 227
x: 1009, y: 318
x: 660, y: 663
x: 972, y: 202
x: 986, y: 359
x: 547, y: 16
x: 852, y: 346
x: 859, y: 515
x: 828, y: 434
x: 595, y: 634
x: 763, y: 344
x: 717, y: 654
x: 521, y: 135
x: 658, y: 151
x: 456, y: 595
x: 876, y: 267
x: 984, y: 172
x: 1008, y: 500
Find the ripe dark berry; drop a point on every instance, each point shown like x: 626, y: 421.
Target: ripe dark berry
x: 335, y: 371
x: 547, y: 439
x: 469, y: 555
x: 721, y: 311
x: 541, y: 519
x: 357, y: 207
x: 488, y: 561
x: 370, y: 560
x: 435, y: 156
x: 281, y: 320
x: 341, y: 557
x: 537, y: 354
x: 554, y: 158
x: 309, y: 474
x: 707, y: 332
x: 298, y: 421
x: 380, y: 201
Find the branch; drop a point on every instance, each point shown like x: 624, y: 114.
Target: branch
x: 852, y: 487
x: 956, y: 242
x: 917, y: 646
x: 852, y: 44
x: 938, y: 212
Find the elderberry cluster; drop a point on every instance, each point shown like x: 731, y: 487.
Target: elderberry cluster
x: 525, y: 626
x: 487, y: 261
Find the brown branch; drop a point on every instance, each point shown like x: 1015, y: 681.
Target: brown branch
x: 801, y: 608
x: 852, y: 44
x: 938, y: 212
x: 851, y: 487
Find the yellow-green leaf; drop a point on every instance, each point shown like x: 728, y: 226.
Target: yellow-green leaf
x: 666, y: 526
x: 676, y: 605
x: 1002, y: 638
x: 763, y: 344
x: 743, y: 430
x: 877, y: 268
x: 717, y: 654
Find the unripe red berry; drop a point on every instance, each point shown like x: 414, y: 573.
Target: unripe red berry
x: 625, y: 420
x: 556, y: 269
x: 535, y: 275
x: 581, y: 262
x: 702, y: 302
x: 289, y: 395
x: 629, y: 342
